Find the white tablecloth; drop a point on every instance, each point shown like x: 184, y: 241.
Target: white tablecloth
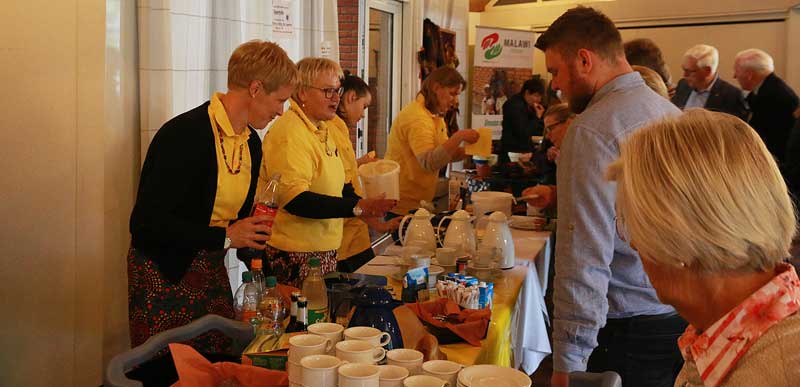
x: 529, y: 341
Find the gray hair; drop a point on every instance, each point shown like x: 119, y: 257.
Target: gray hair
x: 706, y: 56
x: 757, y: 60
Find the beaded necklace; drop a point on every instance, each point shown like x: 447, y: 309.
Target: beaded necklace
x: 233, y: 156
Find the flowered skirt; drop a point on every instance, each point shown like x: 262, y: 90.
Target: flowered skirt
x: 155, y: 304
x: 291, y: 268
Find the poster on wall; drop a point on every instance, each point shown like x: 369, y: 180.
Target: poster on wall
x: 282, y: 19
x: 439, y: 49
x: 503, y: 62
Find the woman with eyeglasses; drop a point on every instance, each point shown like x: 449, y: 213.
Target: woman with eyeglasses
x: 557, y: 119
x: 418, y: 140
x: 314, y: 196
x: 195, y: 194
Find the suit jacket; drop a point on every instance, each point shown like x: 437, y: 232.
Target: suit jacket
x: 723, y: 97
x: 519, y: 124
x: 772, y: 118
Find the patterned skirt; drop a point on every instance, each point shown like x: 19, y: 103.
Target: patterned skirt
x: 291, y: 268
x: 155, y: 304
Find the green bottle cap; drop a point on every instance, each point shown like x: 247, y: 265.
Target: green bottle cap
x: 313, y: 262
x: 272, y: 281
x: 247, y: 277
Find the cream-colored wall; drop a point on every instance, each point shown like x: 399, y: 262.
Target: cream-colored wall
x: 779, y: 38
x: 67, y: 186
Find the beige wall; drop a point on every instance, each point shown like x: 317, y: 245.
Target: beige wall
x: 68, y: 165
x: 776, y: 38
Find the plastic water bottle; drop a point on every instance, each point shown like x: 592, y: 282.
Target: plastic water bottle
x: 258, y: 275
x: 314, y: 290
x: 266, y: 204
x: 271, y: 307
x: 246, y: 300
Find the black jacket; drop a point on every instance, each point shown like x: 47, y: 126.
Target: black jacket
x: 177, y: 189
x: 723, y: 97
x: 772, y: 108
x: 519, y: 124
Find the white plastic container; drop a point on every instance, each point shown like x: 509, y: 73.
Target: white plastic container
x: 382, y: 176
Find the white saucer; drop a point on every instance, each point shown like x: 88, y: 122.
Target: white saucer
x: 513, y: 377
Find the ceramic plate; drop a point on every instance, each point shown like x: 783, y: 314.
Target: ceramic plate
x: 513, y: 377
x: 525, y: 223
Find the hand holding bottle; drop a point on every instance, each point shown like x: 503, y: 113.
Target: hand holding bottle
x: 376, y: 207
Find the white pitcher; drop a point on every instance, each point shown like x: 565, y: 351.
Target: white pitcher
x: 498, y: 236
x: 460, y: 234
x: 420, y: 229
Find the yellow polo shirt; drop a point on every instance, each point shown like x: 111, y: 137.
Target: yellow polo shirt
x: 231, y: 187
x: 355, y: 237
x: 307, y: 159
x: 415, y: 131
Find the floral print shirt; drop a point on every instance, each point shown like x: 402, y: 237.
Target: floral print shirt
x: 716, y: 351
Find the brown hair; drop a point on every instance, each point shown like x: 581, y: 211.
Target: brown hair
x: 582, y: 27
x: 653, y: 80
x: 645, y: 52
x: 259, y: 60
x: 444, y: 76
x: 560, y: 111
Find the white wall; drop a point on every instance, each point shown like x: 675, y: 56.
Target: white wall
x: 776, y: 37
x: 67, y: 188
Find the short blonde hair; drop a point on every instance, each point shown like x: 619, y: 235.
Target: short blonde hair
x: 310, y: 68
x: 701, y: 189
x: 706, y: 56
x: 653, y: 80
x: 259, y: 60
x: 754, y: 59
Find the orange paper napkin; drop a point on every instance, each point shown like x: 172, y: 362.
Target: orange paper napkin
x: 469, y: 324
x: 196, y: 371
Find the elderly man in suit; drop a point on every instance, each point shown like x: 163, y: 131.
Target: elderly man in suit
x: 701, y: 86
x: 772, y: 102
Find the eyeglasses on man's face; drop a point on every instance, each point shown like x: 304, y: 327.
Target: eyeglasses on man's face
x: 553, y: 125
x: 329, y: 92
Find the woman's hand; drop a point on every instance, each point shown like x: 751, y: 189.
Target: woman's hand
x: 376, y: 207
x: 366, y: 159
x: 250, y: 232
x: 539, y: 108
x: 468, y: 135
x: 379, y: 225
x: 544, y: 195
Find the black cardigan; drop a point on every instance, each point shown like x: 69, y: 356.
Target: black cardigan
x: 177, y: 189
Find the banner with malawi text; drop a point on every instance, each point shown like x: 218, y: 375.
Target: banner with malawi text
x: 503, y: 62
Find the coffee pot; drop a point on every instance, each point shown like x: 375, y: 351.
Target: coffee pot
x: 460, y: 234
x: 375, y: 308
x: 498, y: 236
x: 419, y: 229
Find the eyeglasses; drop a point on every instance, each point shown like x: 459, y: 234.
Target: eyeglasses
x: 330, y: 91
x: 553, y: 125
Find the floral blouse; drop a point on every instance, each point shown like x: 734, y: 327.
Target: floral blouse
x: 716, y: 351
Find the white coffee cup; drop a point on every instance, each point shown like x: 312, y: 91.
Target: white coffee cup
x: 409, y: 359
x: 357, y: 351
x: 320, y: 370
x: 304, y: 345
x: 359, y: 375
x: 392, y: 375
x: 425, y: 381
x: 331, y: 331
x: 369, y: 334
x: 442, y: 369
x: 446, y: 256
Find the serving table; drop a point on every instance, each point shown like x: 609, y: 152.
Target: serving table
x: 517, y: 335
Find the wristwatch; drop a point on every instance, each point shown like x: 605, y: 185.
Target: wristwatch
x: 227, y: 243
x: 357, y: 211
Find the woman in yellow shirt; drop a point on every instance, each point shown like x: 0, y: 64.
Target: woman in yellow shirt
x: 312, y: 200
x: 418, y: 140
x: 356, y: 249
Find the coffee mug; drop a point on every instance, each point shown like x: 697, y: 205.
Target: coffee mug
x: 369, y: 334
x: 424, y: 381
x: 392, y: 375
x: 331, y: 331
x: 409, y: 359
x: 446, y: 256
x: 320, y: 370
x: 357, y: 351
x: 442, y: 369
x: 304, y: 345
x: 359, y: 375
x: 295, y: 372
